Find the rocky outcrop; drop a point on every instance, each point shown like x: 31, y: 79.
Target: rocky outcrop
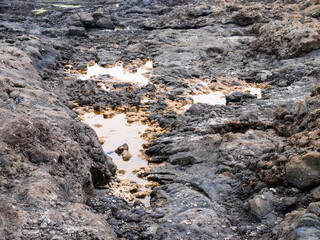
x: 87, y: 20
x: 290, y: 38
x: 50, y: 162
x: 301, y: 224
x: 184, y: 17
x: 82, y: 21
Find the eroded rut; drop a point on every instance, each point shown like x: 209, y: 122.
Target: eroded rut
x: 124, y: 134
x: 209, y: 109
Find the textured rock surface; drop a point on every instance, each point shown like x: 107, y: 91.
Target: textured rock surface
x: 47, y: 170
x: 304, y: 171
x: 290, y: 38
x: 245, y: 170
x: 301, y: 224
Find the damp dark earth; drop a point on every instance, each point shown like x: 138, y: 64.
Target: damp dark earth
x: 160, y: 119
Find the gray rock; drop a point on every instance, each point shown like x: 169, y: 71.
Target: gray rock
x: 98, y: 14
x: 107, y: 57
x: 87, y: 19
x: 302, y: 224
x: 48, y: 149
x: 76, y: 31
x: 262, y: 206
x: 304, y: 171
x: 183, y: 161
x: 196, y: 109
x: 105, y: 23
x: 238, y: 97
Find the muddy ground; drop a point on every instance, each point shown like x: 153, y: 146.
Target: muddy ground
x: 246, y: 170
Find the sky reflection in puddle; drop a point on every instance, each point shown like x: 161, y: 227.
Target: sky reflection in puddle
x: 217, y: 97
x: 120, y: 73
x: 116, y: 131
x: 213, y: 98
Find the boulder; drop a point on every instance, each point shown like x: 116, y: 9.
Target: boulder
x: 304, y: 172
x: 104, y: 23
x: 247, y: 16
x: 262, y: 206
x: 87, y: 19
x: 239, y: 96
x: 76, y: 31
x: 50, y: 162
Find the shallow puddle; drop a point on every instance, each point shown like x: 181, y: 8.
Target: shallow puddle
x: 213, y: 98
x: 114, y: 132
x: 120, y: 73
x: 218, y: 97
x: 254, y: 91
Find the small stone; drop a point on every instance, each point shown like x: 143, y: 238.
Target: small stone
x: 242, y: 229
x: 98, y: 14
x: 121, y: 171
x: 178, y: 91
x: 126, y: 155
x: 101, y: 140
x: 316, y: 193
x: 123, y: 147
x: 314, y: 208
x: 57, y: 238
x: 141, y: 195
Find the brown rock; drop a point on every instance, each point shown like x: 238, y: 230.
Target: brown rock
x: 304, y: 172
x: 313, y: 11
x: 261, y: 205
x: 47, y: 168
x: 126, y: 155
x: 289, y: 38
x: 279, y: 113
x: 101, y: 140
x: 123, y: 147
x: 247, y: 16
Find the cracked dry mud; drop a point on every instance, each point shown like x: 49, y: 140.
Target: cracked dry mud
x: 247, y: 169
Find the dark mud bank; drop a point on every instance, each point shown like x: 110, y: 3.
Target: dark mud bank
x: 245, y: 170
